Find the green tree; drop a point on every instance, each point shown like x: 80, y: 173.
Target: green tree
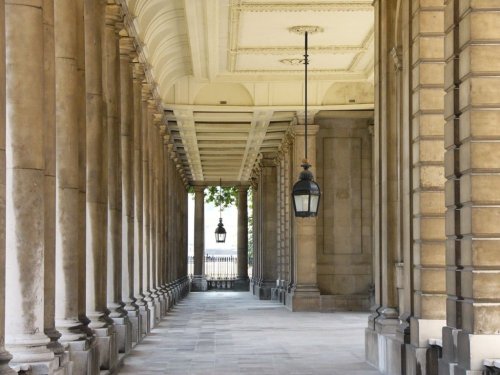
x: 225, y: 196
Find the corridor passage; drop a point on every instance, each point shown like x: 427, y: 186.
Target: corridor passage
x: 233, y: 333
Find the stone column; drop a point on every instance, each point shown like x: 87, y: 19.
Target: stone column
x: 25, y: 238
x: 169, y: 246
x: 152, y: 208
x: 472, y: 112
x: 96, y: 188
x: 67, y: 226
x: 287, y: 234
x: 255, y: 240
x: 242, y: 282
x: 383, y: 322
x: 199, y: 282
x: 146, y: 244
x: 5, y: 356
x: 127, y: 50
x: 171, y: 223
x: 268, y: 221
x: 304, y: 295
x: 138, y: 75
x: 111, y: 85
x: 162, y: 218
x: 50, y: 178
x: 280, y: 197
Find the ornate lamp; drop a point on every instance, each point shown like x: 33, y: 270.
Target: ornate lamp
x: 220, y: 232
x: 306, y: 192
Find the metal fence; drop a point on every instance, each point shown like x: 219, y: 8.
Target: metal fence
x: 217, y: 267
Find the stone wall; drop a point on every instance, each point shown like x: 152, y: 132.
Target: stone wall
x: 344, y: 240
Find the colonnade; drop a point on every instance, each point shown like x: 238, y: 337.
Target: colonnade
x: 285, y: 259
x: 93, y: 213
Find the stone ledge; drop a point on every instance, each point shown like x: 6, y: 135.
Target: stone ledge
x: 351, y: 302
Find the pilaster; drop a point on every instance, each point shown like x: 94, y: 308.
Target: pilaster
x: 267, y: 258
x: 472, y: 196
x: 428, y: 180
x: 304, y: 295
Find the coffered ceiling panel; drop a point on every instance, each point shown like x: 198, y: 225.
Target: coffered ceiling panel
x: 230, y: 73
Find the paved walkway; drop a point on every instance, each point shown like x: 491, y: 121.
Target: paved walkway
x: 233, y: 333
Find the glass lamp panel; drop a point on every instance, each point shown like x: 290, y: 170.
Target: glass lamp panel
x: 301, y: 202
x: 314, y: 204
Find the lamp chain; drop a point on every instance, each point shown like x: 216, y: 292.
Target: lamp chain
x: 306, y: 62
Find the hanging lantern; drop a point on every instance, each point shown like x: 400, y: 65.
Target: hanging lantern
x: 306, y: 193
x: 220, y: 232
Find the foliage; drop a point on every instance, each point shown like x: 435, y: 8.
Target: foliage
x: 225, y: 196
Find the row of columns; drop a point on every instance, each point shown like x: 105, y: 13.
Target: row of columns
x: 285, y: 265
x: 90, y: 180
x: 199, y: 281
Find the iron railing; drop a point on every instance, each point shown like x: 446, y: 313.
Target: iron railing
x: 220, y: 271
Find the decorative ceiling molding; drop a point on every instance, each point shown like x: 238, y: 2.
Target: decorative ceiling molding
x: 302, y: 29
x: 306, y: 6
x: 369, y: 40
x: 276, y: 50
x: 187, y: 130
x: 260, y: 123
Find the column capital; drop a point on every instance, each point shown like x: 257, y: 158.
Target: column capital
x: 199, y: 188
x: 127, y: 46
x: 146, y: 92
x: 113, y: 15
x: 158, y: 118
x: 138, y: 72
x: 163, y: 130
x: 152, y: 103
x: 242, y: 188
x: 301, y: 117
x: 301, y: 129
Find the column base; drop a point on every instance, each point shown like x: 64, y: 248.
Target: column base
x: 85, y: 357
x: 39, y: 368
x: 472, y: 350
x: 107, y: 347
x: 421, y: 331
x: 152, y: 312
x: 449, y: 360
x: 5, y: 358
x: 135, y: 320
x: 304, y: 298
x: 123, y: 329
x: 199, y: 284
x: 242, y: 285
x: 145, y: 319
x: 263, y: 289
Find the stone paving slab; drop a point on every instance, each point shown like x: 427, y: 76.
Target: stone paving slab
x: 218, y: 333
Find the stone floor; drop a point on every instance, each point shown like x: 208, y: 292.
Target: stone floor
x: 233, y: 333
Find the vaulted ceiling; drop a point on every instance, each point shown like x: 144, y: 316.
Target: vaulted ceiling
x: 231, y: 78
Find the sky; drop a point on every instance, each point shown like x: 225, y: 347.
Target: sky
x: 229, y: 219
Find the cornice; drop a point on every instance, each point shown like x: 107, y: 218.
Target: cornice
x: 306, y: 6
